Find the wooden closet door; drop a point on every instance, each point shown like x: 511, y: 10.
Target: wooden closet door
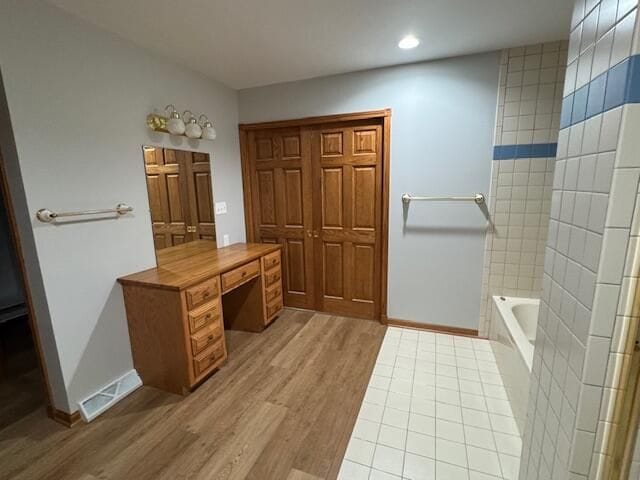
x: 347, y: 176
x: 282, y: 205
x: 168, y: 197
x: 197, y: 172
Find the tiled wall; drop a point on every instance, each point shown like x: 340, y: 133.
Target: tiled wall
x: 591, y: 262
x: 527, y: 124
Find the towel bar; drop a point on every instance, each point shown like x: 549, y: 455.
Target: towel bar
x: 48, y: 216
x: 478, y: 198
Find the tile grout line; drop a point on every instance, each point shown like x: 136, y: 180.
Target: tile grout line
x: 455, y: 357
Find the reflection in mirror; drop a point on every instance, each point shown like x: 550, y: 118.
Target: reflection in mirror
x: 179, y: 184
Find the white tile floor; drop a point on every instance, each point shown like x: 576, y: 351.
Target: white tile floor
x: 435, y: 408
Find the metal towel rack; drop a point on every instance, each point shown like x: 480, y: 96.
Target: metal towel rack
x: 48, y: 216
x: 478, y: 198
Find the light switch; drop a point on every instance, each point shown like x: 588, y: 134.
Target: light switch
x: 225, y: 240
x: 221, y: 208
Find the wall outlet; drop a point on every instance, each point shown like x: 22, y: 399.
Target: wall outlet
x: 221, y: 208
x: 225, y: 240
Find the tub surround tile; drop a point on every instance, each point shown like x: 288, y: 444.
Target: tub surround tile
x: 527, y: 142
x: 579, y: 350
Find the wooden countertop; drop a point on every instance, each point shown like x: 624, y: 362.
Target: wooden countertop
x: 191, y: 263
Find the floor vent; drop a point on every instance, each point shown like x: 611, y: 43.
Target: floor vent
x: 97, y: 403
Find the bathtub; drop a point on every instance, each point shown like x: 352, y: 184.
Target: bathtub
x: 513, y: 334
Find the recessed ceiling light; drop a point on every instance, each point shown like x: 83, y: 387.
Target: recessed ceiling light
x: 408, y: 42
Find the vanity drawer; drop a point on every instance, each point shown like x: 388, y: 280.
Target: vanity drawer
x: 211, y: 357
x: 272, y: 276
x: 203, y: 292
x: 274, y: 308
x: 206, y: 337
x: 240, y: 275
x: 271, y: 260
x: 204, y: 315
x: 273, y: 292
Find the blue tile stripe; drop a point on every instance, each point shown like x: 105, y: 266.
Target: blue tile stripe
x: 533, y: 150
x: 617, y: 86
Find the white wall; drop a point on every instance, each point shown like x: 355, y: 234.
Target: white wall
x: 78, y: 98
x: 443, y: 116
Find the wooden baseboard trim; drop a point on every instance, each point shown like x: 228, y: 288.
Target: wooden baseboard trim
x: 64, y: 418
x: 429, y: 327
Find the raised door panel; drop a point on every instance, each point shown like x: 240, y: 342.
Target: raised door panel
x: 291, y: 147
x: 333, y: 270
x: 175, y: 198
x: 204, y: 197
x: 363, y: 191
x: 153, y: 156
x: 363, y: 273
x: 159, y: 241
x: 171, y: 157
x: 179, y: 239
x: 332, y: 204
x: 365, y: 141
x: 264, y: 149
x: 267, y: 198
x: 294, y: 203
x: 331, y: 144
x: 296, y: 276
x: 154, y: 188
x: 200, y: 159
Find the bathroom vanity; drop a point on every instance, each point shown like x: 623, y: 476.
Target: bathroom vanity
x: 178, y: 312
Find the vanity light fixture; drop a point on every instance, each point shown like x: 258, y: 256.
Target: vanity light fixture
x: 192, y: 129
x: 187, y: 124
x: 175, y: 124
x: 208, y: 132
x: 408, y: 42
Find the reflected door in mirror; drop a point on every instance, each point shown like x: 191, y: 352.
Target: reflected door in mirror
x: 180, y: 196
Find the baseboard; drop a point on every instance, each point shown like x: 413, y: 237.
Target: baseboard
x: 462, y: 332
x: 64, y: 418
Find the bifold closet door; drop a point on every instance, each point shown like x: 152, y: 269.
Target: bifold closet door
x: 180, y: 196
x: 168, y: 197
x: 282, y: 205
x: 347, y: 206
x: 197, y: 170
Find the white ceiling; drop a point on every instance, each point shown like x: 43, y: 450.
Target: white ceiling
x: 246, y: 43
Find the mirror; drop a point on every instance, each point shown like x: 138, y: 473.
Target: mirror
x: 180, y: 188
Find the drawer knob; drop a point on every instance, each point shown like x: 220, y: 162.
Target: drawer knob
x: 210, y: 337
x: 244, y: 274
x: 205, y: 294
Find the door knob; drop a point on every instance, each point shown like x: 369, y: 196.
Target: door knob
x: 309, y: 233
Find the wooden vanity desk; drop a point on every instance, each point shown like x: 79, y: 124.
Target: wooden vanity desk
x: 178, y: 311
